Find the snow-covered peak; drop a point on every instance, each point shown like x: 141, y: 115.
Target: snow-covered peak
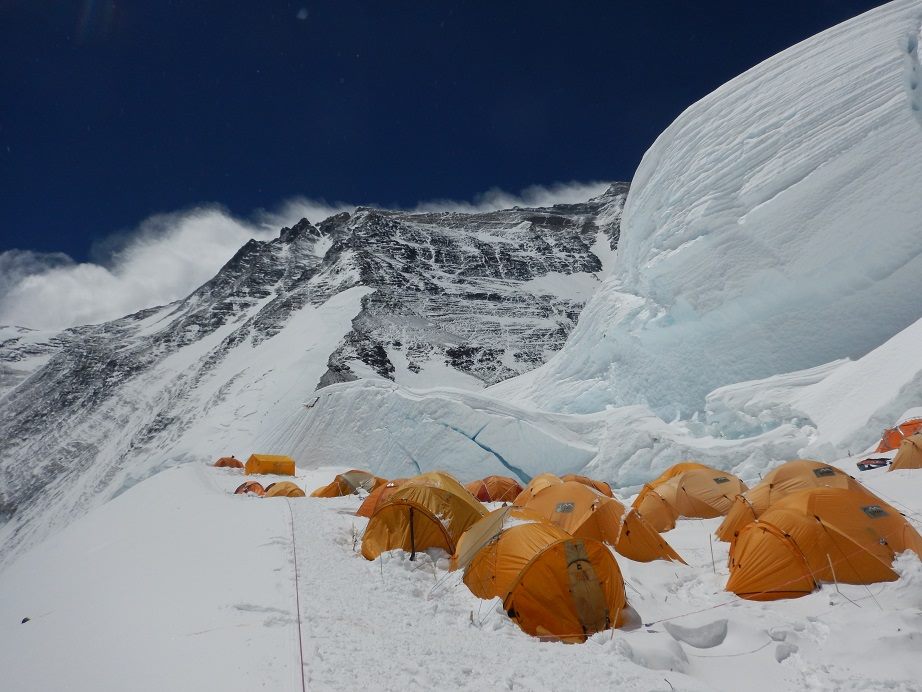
x: 774, y: 226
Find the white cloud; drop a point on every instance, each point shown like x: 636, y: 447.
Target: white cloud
x: 170, y: 255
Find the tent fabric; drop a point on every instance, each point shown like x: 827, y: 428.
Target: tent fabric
x: 431, y: 510
x: 275, y: 464
x: 552, y: 585
x: 488, y: 528
x: 820, y: 535
x: 601, y: 486
x: 910, y: 454
x: 284, y: 489
x: 349, y: 483
x: 536, y: 485
x: 378, y: 496
x: 247, y: 487
x: 584, y: 513
x: 892, y: 437
x: 229, y: 462
x: 495, y: 489
x: 696, y: 491
x: 799, y: 474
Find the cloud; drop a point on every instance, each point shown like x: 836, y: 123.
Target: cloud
x: 170, y: 255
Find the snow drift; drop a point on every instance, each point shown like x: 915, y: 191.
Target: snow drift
x: 774, y: 226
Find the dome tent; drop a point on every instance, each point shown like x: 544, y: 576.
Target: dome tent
x: 231, y: 462
x: 892, y: 437
x: 284, y: 489
x: 248, y: 487
x: 536, y: 485
x: 910, y: 454
x: 378, y: 496
x: 799, y: 474
x: 349, y: 483
x: 552, y: 584
x: 582, y: 512
x: 601, y: 486
x: 689, y: 489
x: 431, y: 510
x: 815, y: 536
x: 495, y: 489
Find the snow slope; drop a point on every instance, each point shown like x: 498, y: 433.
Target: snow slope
x: 179, y: 585
x: 774, y: 226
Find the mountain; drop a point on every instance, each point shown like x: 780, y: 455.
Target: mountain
x: 423, y: 299
x: 763, y: 303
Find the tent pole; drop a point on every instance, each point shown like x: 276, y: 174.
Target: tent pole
x: 412, y: 538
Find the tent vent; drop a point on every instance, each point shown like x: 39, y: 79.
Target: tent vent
x: 721, y: 479
x: 823, y: 472
x: 564, y: 507
x: 874, y: 511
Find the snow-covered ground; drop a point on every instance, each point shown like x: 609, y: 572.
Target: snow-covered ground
x: 178, y: 584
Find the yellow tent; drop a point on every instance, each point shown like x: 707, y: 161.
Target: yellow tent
x: 348, y: 483
x: 601, y: 486
x: 799, y: 474
x: 284, y: 489
x: 536, y: 485
x: 815, y: 536
x: 910, y: 454
x: 552, y: 585
x: 431, y: 510
x: 378, y: 496
x: 275, y: 464
x: 687, y: 490
x: 581, y: 511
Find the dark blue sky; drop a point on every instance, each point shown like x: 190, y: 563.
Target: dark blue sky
x: 111, y: 111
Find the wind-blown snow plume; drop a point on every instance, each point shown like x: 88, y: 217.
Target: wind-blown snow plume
x: 170, y: 255
x: 166, y: 258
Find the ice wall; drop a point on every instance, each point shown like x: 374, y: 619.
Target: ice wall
x: 776, y: 225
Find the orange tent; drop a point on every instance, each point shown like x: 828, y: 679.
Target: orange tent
x: 495, y: 489
x: 910, y: 454
x: 229, y: 462
x: 815, y: 536
x: 892, y: 437
x: 431, y: 510
x: 790, y: 477
x: 250, y: 487
x: 536, y: 485
x: 688, y: 490
x: 552, y: 585
x: 348, y: 483
x: 276, y: 464
x: 378, y: 496
x: 582, y: 512
x: 284, y: 489
x: 601, y: 486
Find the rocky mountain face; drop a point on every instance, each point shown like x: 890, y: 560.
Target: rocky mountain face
x: 424, y: 299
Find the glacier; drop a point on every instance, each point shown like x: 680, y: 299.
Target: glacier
x: 773, y: 227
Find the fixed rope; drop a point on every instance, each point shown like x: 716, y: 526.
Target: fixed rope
x: 294, y: 554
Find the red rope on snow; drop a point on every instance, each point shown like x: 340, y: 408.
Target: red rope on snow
x: 294, y: 553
